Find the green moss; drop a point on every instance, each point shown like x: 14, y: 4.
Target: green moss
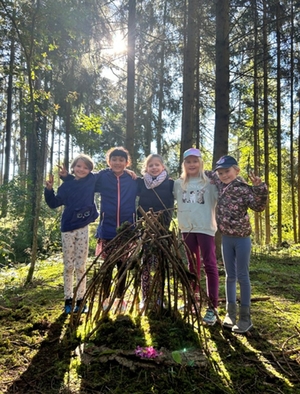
x: 172, y: 333
x: 37, y: 347
x: 121, y: 333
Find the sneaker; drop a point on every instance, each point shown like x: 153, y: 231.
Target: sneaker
x: 79, y: 307
x: 68, y: 305
x: 210, y: 317
x: 105, y: 303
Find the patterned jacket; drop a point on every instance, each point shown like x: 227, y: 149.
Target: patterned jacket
x: 233, y: 202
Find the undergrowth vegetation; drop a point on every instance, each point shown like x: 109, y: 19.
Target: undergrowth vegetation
x: 40, y: 352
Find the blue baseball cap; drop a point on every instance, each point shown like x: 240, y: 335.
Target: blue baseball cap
x: 191, y: 152
x: 225, y: 162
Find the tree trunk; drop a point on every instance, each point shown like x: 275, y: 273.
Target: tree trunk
x: 148, y: 137
x: 278, y: 134
x: 4, y: 198
x: 298, y: 173
x: 222, y: 80
x: 35, y: 162
x: 221, y: 89
x: 188, y: 108
x: 197, y: 88
x: 52, y: 143
x: 34, y: 185
x: 159, y: 132
x: 68, y: 127
x: 256, y: 144
x: 266, y: 118
x: 130, y: 80
x: 292, y: 159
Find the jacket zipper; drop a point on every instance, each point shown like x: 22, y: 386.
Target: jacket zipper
x: 119, y: 201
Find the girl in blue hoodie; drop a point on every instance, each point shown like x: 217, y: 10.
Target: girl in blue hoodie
x: 77, y: 196
x: 118, y: 192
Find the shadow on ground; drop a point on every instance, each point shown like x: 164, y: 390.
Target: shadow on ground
x: 250, y: 364
x: 48, y: 368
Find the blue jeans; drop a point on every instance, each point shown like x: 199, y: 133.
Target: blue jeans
x: 236, y: 257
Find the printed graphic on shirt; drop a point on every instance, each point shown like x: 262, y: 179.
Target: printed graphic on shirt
x: 193, y: 196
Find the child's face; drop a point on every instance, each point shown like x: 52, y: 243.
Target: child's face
x: 154, y: 167
x: 118, y: 164
x: 227, y: 175
x: 192, y: 165
x: 81, y: 170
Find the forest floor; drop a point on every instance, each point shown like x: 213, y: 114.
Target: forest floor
x: 42, y: 353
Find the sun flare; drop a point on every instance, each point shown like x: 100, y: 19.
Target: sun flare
x: 119, y: 43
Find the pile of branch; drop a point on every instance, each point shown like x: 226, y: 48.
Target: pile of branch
x: 170, y: 277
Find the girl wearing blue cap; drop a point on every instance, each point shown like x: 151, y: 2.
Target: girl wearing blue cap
x: 196, y: 200
x: 235, y: 197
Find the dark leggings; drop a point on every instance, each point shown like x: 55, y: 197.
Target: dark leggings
x: 149, y: 265
x: 121, y: 284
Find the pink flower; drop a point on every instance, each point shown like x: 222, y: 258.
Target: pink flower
x: 147, y: 352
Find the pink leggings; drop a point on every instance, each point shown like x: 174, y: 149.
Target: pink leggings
x: 204, y: 245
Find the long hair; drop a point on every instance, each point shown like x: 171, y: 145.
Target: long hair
x: 201, y: 174
x: 149, y: 158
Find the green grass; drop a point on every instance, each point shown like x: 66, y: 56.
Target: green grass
x: 39, y: 353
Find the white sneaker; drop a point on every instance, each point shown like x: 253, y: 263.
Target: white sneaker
x: 105, y: 303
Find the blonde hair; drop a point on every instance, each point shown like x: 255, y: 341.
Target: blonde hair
x: 148, y: 159
x: 201, y: 174
x: 88, y: 161
x: 118, y: 151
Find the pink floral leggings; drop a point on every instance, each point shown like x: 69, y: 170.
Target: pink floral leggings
x: 75, y: 245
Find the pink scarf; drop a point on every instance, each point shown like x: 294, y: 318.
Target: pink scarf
x: 151, y: 183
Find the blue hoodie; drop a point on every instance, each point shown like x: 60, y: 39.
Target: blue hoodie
x: 78, y: 198
x: 118, y: 195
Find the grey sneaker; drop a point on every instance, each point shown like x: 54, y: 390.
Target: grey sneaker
x: 210, y: 317
x: 230, y: 318
x: 244, y: 323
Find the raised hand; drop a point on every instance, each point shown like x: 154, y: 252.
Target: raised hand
x: 62, y: 171
x: 49, y: 182
x: 254, y: 179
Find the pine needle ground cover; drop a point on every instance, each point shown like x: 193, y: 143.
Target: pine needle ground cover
x: 43, y: 351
